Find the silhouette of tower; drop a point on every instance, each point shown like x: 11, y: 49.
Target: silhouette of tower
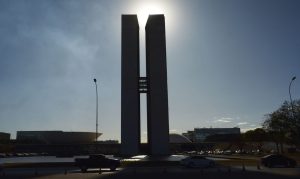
x: 154, y: 84
x: 157, y: 96
x: 130, y: 97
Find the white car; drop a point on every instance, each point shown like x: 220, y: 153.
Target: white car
x: 197, y: 161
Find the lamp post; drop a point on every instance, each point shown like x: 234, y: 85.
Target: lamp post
x: 95, y: 80
x: 291, y: 95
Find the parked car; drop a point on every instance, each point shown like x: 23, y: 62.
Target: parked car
x: 197, y: 161
x: 227, y: 152
x: 97, y: 161
x: 273, y: 160
x: 1, y: 166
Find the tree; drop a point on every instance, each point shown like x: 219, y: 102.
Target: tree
x: 295, y: 124
x: 256, y: 136
x: 283, y: 125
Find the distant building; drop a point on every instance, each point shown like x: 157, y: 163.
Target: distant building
x: 200, y: 134
x: 4, y: 136
x: 56, y: 137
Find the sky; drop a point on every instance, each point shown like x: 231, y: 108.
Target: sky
x: 229, y: 62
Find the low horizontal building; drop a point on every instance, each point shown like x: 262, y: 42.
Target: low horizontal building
x: 4, y: 136
x: 56, y: 137
x: 200, y: 134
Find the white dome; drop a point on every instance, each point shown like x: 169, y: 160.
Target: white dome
x: 177, y: 138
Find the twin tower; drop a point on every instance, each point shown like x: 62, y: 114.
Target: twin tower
x: 154, y: 84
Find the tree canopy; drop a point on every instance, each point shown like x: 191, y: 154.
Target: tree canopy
x: 283, y: 125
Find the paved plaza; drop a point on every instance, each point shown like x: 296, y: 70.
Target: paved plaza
x: 174, y: 172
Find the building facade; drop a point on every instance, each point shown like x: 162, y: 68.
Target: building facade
x: 130, y: 96
x: 57, y: 137
x: 4, y: 136
x: 200, y: 134
x: 154, y: 85
x: 157, y: 96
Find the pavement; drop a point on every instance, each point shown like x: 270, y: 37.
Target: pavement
x: 170, y: 172
x: 143, y: 167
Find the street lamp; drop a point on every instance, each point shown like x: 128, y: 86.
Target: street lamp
x: 291, y: 95
x: 95, y: 80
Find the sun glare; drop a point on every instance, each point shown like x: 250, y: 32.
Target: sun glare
x: 145, y: 11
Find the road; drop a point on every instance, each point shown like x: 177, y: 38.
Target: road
x: 174, y: 172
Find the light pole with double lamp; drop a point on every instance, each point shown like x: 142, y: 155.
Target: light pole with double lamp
x: 95, y: 80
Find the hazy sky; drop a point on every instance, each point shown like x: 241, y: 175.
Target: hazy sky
x: 229, y: 62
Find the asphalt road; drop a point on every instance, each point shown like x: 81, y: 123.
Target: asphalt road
x: 175, y: 172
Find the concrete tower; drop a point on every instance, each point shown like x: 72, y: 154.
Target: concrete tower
x: 157, y: 96
x: 155, y: 85
x: 130, y: 97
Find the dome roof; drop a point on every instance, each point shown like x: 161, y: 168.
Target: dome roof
x: 177, y: 138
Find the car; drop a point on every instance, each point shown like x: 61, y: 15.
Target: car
x: 197, y: 161
x: 97, y: 161
x: 227, y: 152
x: 1, y: 166
x: 273, y: 160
